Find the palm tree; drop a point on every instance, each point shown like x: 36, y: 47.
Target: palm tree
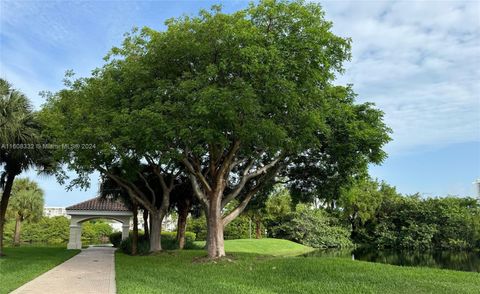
x: 26, y: 203
x: 19, y: 132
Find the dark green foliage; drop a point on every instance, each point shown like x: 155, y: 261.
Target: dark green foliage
x: 54, y: 230
x: 312, y: 227
x: 415, y: 223
x: 239, y: 228
x: 169, y: 240
x: 142, y: 249
x: 115, y: 238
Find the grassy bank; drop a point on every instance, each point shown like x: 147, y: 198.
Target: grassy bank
x: 266, y: 246
x: 22, y: 264
x: 186, y: 272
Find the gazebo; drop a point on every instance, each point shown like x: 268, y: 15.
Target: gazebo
x: 93, y: 209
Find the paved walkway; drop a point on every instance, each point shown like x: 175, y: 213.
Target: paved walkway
x: 90, y: 271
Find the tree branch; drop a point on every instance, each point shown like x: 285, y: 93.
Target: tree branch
x: 196, y: 173
x: 132, y: 191
x: 241, y: 207
x: 246, y: 177
x: 227, y: 161
x: 148, y: 186
x: 198, y: 190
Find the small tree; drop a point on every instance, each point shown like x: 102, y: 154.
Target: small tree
x: 26, y: 204
x: 360, y: 202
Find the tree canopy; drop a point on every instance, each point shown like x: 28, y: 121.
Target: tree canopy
x: 231, y: 100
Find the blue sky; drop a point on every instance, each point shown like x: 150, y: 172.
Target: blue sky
x: 419, y: 61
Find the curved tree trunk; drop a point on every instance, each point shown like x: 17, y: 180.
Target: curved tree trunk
x: 215, y: 243
x: 182, y: 226
x: 3, y: 207
x: 135, y: 230
x: 145, y: 224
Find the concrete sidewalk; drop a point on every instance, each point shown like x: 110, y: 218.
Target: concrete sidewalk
x: 90, y: 271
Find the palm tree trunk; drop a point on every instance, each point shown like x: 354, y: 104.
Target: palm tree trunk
x: 3, y: 207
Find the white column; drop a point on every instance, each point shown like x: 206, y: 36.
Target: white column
x: 75, y: 239
x: 125, y: 230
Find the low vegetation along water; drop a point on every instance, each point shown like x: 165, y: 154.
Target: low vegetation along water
x: 455, y: 260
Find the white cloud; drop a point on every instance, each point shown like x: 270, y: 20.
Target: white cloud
x: 419, y: 61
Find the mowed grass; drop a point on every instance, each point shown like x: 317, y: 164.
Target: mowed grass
x: 187, y: 272
x: 22, y: 264
x: 266, y: 246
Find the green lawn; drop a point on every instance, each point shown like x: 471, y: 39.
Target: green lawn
x: 266, y: 246
x: 184, y: 272
x: 22, y: 264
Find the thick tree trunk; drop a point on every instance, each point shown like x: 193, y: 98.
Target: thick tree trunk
x: 18, y: 226
x: 215, y: 243
x: 182, y: 226
x: 3, y: 207
x: 258, y: 228
x: 145, y: 224
x: 156, y: 230
x: 135, y: 230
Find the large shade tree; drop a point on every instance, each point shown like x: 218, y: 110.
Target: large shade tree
x: 19, y: 136
x: 113, y: 123
x: 26, y: 204
x: 238, y: 99
x: 256, y: 89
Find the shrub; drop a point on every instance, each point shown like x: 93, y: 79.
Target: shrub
x: 415, y: 223
x: 143, y: 245
x: 115, y: 238
x: 169, y: 242
x: 198, y: 225
x: 54, y: 230
x: 312, y: 227
x: 238, y: 229
x: 96, y: 231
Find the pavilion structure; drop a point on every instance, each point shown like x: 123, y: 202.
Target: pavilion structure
x: 96, y: 208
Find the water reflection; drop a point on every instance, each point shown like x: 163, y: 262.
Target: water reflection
x: 462, y: 261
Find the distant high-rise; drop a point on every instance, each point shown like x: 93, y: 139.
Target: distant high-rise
x: 477, y: 187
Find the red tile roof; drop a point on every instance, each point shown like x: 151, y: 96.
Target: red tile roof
x: 99, y: 204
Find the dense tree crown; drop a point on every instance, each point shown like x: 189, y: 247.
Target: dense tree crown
x: 231, y: 100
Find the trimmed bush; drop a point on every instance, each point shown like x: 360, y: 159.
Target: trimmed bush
x: 143, y: 245
x: 312, y: 227
x: 115, y: 238
x: 169, y: 242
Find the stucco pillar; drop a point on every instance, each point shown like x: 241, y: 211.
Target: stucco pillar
x: 75, y: 238
x: 125, y: 230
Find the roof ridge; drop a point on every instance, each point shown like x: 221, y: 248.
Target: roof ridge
x: 99, y: 204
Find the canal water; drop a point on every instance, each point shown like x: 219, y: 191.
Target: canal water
x: 455, y: 260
